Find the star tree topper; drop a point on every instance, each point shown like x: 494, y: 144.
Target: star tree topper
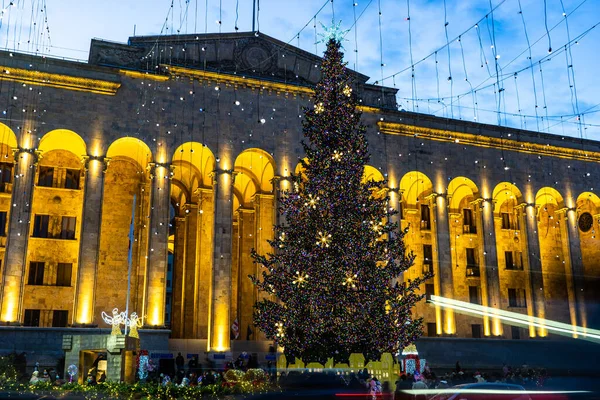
x: 333, y: 32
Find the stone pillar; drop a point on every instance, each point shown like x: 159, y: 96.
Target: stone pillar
x: 18, y: 233
x: 394, y: 203
x: 190, y: 272
x: 246, y: 292
x: 219, y: 332
x: 205, y: 251
x: 529, y: 292
x: 281, y: 184
x: 533, y: 263
x: 444, y: 258
x: 177, y: 311
x: 488, y: 265
x: 573, y: 262
x: 158, y: 249
x: 89, y: 243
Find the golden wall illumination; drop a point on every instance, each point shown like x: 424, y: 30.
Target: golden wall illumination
x: 63, y: 139
x: 60, y: 81
x: 371, y: 174
x: 439, y: 327
x: 415, y: 186
x: 132, y: 148
x: 487, y: 330
x: 450, y: 326
x: 7, y: 136
x: 83, y: 312
x: 220, y: 335
x: 497, y: 324
x: 9, y: 309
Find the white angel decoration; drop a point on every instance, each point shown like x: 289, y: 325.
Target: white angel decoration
x: 115, y: 320
x: 134, y: 322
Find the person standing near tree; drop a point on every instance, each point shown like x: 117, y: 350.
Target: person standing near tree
x: 179, y: 362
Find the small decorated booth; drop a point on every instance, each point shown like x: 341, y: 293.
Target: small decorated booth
x: 410, y: 361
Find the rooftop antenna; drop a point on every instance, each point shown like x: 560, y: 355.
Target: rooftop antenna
x: 253, y: 15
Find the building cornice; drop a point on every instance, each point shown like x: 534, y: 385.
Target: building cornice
x: 247, y: 82
x: 60, y: 81
x: 469, y: 139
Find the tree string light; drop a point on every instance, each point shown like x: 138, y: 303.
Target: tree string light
x: 347, y: 237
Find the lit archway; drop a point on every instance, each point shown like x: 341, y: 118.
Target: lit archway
x: 192, y: 227
x: 254, y: 217
x: 131, y: 150
x: 588, y: 225
x: 127, y: 192
x: 551, y: 206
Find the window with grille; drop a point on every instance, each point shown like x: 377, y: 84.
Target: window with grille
x: 468, y: 221
x: 31, y: 318
x: 72, y: 179
x: 427, y: 259
x: 67, y: 230
x: 36, y: 273
x: 516, y: 298
x: 425, y: 217
x: 472, y: 265
x: 3, y: 217
x: 63, y: 274
x: 507, y: 221
x: 515, y: 332
x: 474, y: 295
x: 40, y: 226
x: 6, y: 174
x: 429, y: 290
x: 513, y: 260
x: 431, y: 329
x: 46, y: 176
x: 59, y: 318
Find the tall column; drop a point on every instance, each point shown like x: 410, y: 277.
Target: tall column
x: 89, y: 243
x: 158, y: 246
x: 190, y: 271
x: 490, y: 279
x: 205, y: 250
x: 246, y: 293
x: 219, y: 335
x: 573, y: 265
x: 281, y: 184
x: 177, y: 310
x: 529, y: 292
x: 394, y: 203
x: 444, y: 272
x: 18, y: 234
x: 533, y: 263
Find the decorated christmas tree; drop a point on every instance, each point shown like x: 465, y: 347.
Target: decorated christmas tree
x: 330, y: 283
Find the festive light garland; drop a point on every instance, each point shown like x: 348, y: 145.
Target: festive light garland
x: 336, y: 256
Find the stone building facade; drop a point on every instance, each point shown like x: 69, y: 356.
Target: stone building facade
x: 198, y: 134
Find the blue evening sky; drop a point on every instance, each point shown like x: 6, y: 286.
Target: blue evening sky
x: 73, y: 23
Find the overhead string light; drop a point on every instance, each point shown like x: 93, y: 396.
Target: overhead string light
x: 571, y: 70
x: 410, y: 51
x: 545, y: 107
x: 530, y: 57
x: 499, y: 88
x: 382, y: 100
x: 449, y: 60
x: 354, y: 4
x: 462, y: 53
